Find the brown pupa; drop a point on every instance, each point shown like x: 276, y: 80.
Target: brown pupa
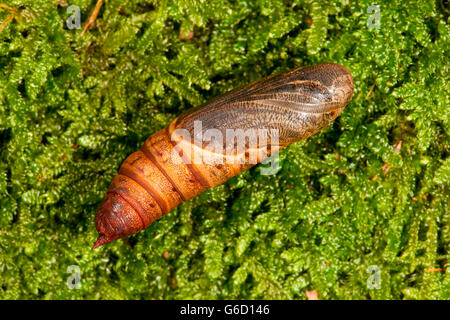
x: 207, y: 145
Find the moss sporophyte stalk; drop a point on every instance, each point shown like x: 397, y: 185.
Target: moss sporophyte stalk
x: 359, y: 210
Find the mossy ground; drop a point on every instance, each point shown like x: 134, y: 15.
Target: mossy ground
x: 370, y: 190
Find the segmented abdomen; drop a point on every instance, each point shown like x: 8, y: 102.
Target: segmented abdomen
x: 151, y: 182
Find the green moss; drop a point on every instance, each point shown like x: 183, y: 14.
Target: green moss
x: 72, y: 108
